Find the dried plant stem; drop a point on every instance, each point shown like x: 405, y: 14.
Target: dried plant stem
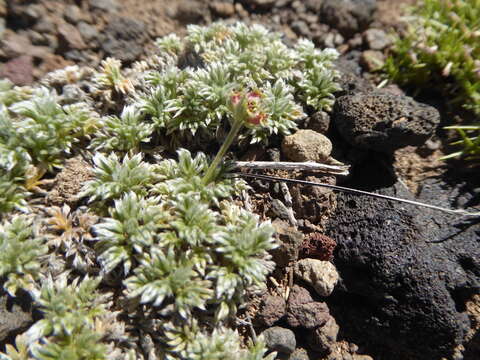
x: 247, y: 201
x: 288, y: 204
x: 286, y: 194
x: 283, y: 165
x: 355, y: 191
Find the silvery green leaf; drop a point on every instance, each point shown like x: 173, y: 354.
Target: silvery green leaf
x: 114, y: 178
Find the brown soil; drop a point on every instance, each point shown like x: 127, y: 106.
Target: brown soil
x: 155, y: 14
x: 69, y: 182
x: 414, y: 165
x: 389, y: 12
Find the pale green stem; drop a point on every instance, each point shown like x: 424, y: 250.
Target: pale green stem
x: 237, y: 125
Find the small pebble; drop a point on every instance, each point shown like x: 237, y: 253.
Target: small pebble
x: 377, y: 39
x: 104, y: 5
x: 223, y: 9
x: 306, y: 145
x: 299, y: 354
x: 88, y: 32
x: 321, y: 275
x: 280, y: 339
x: 73, y: 14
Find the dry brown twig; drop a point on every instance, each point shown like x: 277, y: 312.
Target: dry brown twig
x: 460, y: 212
x: 299, y: 166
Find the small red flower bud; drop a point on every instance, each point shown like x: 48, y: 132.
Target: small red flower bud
x: 236, y: 98
x: 248, y: 107
x: 257, y: 119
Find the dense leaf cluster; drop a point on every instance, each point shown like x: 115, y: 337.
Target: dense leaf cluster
x: 36, y: 133
x: 20, y: 252
x: 166, y: 239
x: 192, y: 90
x: 179, y: 244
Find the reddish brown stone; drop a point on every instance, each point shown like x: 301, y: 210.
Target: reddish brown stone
x: 272, y: 309
x: 53, y: 62
x: 18, y: 70
x: 318, y: 246
x: 71, y: 36
x: 304, y: 312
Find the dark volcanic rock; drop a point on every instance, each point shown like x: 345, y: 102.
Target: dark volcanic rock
x: 259, y: 4
x: 280, y: 339
x: 384, y: 122
x: 351, y: 80
x: 406, y: 272
x: 24, y: 16
x: 319, y: 122
x: 348, y: 16
x: 322, y: 338
x: 124, y: 38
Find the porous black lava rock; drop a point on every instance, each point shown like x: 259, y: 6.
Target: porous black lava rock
x: 384, y: 122
x: 319, y: 122
x: 351, y: 80
x: 406, y: 271
x: 348, y: 16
